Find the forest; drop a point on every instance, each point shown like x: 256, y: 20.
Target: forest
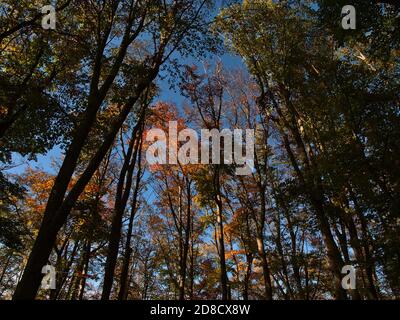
x: 80, y: 98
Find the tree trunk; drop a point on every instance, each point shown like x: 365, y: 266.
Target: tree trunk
x: 221, y: 249
x: 316, y: 200
x: 123, y: 291
x: 58, y: 208
x: 3, y: 272
x: 260, y: 223
x: 86, y: 260
x: 121, y: 199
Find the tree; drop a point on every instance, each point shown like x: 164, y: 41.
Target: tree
x: 168, y: 34
x: 287, y: 75
x: 35, y: 69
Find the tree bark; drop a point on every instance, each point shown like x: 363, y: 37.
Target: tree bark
x: 58, y: 208
x: 220, y: 238
x: 121, y: 200
x: 261, y: 247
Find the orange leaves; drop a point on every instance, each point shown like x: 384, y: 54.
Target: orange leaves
x: 39, y: 184
x: 161, y: 114
x: 232, y: 253
x: 162, y: 139
x: 155, y: 220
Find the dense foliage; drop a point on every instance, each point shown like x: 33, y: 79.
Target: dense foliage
x: 324, y: 191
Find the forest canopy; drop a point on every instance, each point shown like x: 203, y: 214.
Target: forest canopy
x: 78, y: 103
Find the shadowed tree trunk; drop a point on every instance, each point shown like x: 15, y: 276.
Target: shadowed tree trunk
x: 58, y: 206
x: 121, y: 199
x: 311, y: 186
x: 123, y: 291
x: 260, y: 223
x: 220, y: 236
x: 86, y: 261
x: 186, y: 240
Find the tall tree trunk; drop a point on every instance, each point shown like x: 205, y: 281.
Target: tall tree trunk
x: 372, y: 291
x: 246, y: 280
x: 86, y: 260
x: 58, y: 206
x: 289, y: 293
x: 260, y: 225
x: 3, y: 272
x: 316, y: 200
x: 192, y: 258
x: 121, y: 199
x: 66, y: 270
x: 123, y: 291
x: 31, y: 278
x: 334, y: 257
x: 221, y: 248
x: 78, y: 276
x: 188, y: 228
x: 293, y: 254
x: 312, y: 186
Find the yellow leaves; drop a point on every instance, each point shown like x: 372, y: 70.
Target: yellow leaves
x: 3, y: 111
x: 92, y: 189
x: 111, y: 112
x: 197, y: 200
x: 39, y: 184
x: 167, y: 24
x: 80, y: 222
x: 257, y: 4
